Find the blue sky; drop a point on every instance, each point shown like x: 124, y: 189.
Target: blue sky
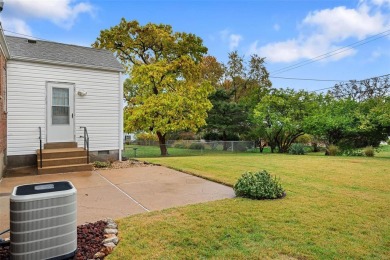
x: 285, y: 32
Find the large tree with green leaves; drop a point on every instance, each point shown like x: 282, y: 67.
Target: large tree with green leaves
x: 166, y: 92
x: 248, y: 81
x: 226, y: 119
x: 280, y: 115
x: 332, y: 120
x: 240, y: 86
x: 349, y: 123
x: 212, y: 70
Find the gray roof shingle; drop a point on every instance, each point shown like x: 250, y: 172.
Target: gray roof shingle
x: 59, y: 53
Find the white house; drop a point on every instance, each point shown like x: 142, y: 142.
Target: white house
x: 60, y: 88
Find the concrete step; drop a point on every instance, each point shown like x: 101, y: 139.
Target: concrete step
x: 60, y: 145
x: 62, y: 161
x: 65, y: 168
x: 61, y: 153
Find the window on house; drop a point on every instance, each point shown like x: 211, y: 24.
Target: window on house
x: 60, y: 106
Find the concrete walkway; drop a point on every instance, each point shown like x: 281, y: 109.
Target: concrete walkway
x: 122, y: 192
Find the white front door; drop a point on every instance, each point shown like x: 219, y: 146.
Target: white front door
x: 60, y: 112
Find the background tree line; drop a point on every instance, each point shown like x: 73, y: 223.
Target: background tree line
x: 174, y: 86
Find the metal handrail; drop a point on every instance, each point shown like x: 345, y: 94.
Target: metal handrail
x: 86, y: 141
x: 40, y: 146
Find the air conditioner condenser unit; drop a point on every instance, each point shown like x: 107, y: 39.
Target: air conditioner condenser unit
x: 43, y: 221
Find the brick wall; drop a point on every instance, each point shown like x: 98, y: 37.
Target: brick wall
x: 3, y: 114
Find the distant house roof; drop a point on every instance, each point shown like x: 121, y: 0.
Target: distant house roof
x: 59, y: 53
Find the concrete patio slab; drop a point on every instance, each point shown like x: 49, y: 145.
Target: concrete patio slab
x: 158, y: 187
x: 119, y: 193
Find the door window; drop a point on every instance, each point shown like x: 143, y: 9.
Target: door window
x: 60, y: 106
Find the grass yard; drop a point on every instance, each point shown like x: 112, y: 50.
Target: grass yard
x: 144, y: 151
x: 384, y: 152
x: 336, y: 208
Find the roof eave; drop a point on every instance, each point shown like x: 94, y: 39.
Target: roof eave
x: 3, y: 43
x: 68, y: 64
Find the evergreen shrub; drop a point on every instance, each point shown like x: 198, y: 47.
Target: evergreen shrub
x: 258, y: 185
x: 99, y: 164
x: 197, y: 146
x: 297, y: 149
x: 333, y: 150
x: 369, y: 151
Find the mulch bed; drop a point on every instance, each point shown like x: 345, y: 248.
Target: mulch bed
x: 4, y: 252
x: 126, y: 164
x: 89, y: 241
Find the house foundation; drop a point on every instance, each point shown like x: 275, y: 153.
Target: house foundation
x: 107, y: 155
x: 3, y: 164
x: 17, y: 161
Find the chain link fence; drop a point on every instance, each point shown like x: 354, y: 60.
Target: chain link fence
x: 150, y: 148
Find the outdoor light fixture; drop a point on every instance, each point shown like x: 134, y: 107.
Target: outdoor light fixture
x: 82, y: 93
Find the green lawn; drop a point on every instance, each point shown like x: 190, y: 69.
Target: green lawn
x: 154, y: 151
x: 144, y: 151
x: 384, y: 152
x: 336, y: 208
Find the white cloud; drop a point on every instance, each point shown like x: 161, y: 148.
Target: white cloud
x: 381, y: 2
x: 292, y: 50
x: 340, y: 23
x: 324, y: 31
x: 61, y: 12
x: 16, y: 25
x: 232, y: 39
x: 224, y: 34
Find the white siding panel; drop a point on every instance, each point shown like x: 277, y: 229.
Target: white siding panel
x: 98, y: 110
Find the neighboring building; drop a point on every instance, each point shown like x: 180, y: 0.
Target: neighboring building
x: 61, y: 88
x: 4, y: 55
x: 129, y: 137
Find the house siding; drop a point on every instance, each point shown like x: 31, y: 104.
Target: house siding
x: 99, y: 110
x: 3, y: 114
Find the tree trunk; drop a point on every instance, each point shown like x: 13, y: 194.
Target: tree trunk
x: 273, y: 146
x: 224, y: 139
x: 163, y: 146
x: 284, y: 146
x: 315, y: 147
x: 279, y: 144
x: 261, y: 146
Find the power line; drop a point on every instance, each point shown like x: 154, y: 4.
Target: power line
x: 354, y: 81
x: 326, y: 80
x: 323, y: 89
x: 331, y: 80
x: 25, y: 35
x: 287, y: 78
x: 332, y: 53
x: 337, y: 51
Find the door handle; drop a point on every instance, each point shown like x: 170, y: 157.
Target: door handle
x: 72, y: 115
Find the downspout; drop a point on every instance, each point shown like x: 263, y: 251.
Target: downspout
x: 120, y: 116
